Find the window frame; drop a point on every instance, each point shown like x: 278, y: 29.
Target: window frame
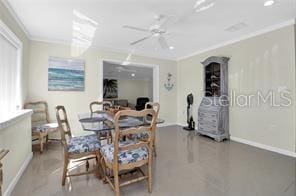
x: 8, y: 34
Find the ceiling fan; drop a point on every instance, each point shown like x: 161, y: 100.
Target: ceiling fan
x: 157, y: 30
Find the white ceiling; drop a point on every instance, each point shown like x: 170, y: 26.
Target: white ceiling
x: 127, y: 72
x: 190, y: 31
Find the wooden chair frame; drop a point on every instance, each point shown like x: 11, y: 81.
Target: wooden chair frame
x: 156, y: 107
x: 42, y: 136
x: 65, y: 130
x: 106, y: 136
x: 120, y: 133
x: 3, y: 153
x: 99, y: 103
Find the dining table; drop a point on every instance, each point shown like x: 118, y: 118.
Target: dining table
x: 102, y: 122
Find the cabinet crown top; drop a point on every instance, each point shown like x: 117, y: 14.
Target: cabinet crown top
x: 216, y: 59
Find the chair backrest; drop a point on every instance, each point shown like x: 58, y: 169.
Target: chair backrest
x: 97, y: 106
x: 63, y: 123
x: 40, y: 112
x: 153, y: 105
x: 119, y: 133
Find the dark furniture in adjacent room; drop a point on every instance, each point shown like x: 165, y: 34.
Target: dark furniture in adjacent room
x: 141, y: 101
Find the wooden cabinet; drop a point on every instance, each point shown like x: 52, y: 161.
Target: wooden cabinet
x: 213, y: 112
x: 2, y: 155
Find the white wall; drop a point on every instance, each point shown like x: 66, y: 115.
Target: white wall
x: 132, y: 89
x: 261, y: 63
x: 78, y: 102
x: 17, y: 139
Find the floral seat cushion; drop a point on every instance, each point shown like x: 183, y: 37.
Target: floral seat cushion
x: 124, y: 157
x: 45, y: 127
x: 89, y: 143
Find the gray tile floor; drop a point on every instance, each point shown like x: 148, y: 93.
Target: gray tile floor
x: 185, y: 165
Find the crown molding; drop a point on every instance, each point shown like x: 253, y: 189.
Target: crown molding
x: 229, y: 42
x: 141, y: 54
x: 16, y: 18
x: 102, y: 48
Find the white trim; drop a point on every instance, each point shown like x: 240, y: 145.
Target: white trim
x: 14, y: 181
x: 156, y: 85
x: 16, y: 18
x: 9, y: 35
x: 166, y: 124
x: 102, y: 48
x: 254, y: 34
x: 244, y: 37
x: 16, y: 42
x: 112, y: 49
x: 181, y: 125
x: 263, y: 146
x: 186, y: 125
x: 134, y: 63
x: 258, y: 145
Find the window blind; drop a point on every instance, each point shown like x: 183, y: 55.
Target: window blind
x: 9, y: 76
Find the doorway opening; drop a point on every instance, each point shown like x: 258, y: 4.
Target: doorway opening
x: 130, y: 85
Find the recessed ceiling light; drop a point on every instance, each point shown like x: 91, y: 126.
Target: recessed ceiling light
x: 171, y: 48
x: 133, y: 75
x: 269, y: 3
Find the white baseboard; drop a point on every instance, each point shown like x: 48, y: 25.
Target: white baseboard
x: 12, y: 184
x: 166, y: 124
x: 263, y: 146
x: 255, y: 144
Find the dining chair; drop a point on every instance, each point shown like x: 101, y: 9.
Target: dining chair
x: 129, y: 154
x: 41, y: 125
x: 82, y: 148
x: 98, y: 106
x: 155, y: 106
x: 143, y: 136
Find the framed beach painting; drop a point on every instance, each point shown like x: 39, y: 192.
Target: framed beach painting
x: 65, y: 74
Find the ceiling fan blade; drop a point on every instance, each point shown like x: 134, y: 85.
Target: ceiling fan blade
x: 140, y: 40
x: 169, y: 20
x: 135, y: 28
x: 162, y: 42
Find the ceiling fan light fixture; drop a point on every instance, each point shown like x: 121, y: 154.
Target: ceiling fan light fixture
x: 133, y: 75
x: 269, y: 3
x: 125, y: 63
x: 156, y: 34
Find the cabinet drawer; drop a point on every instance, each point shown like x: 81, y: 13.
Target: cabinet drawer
x: 206, y: 130
x: 209, y: 129
x: 208, y: 126
x: 208, y: 119
x: 207, y: 114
